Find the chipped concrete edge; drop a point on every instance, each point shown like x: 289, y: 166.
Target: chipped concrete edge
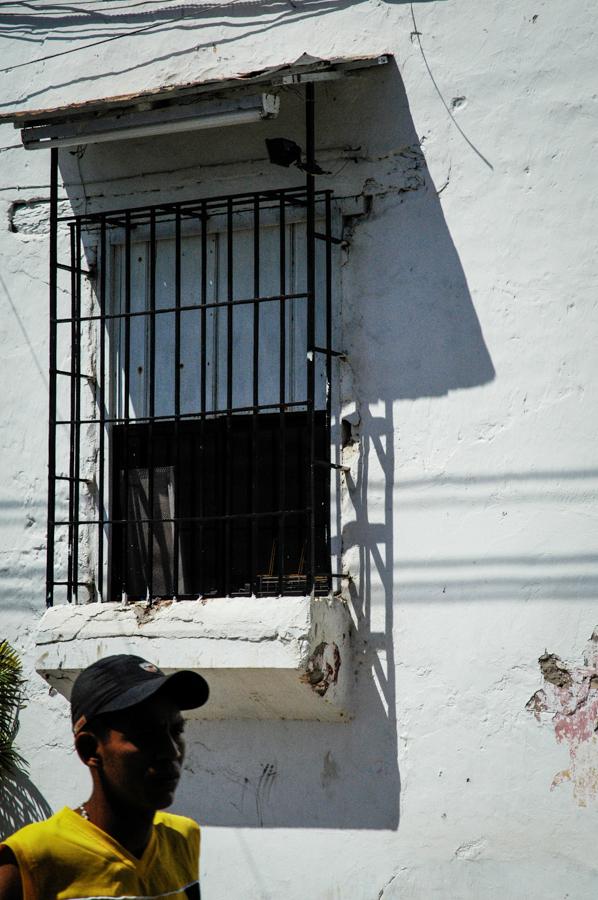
x: 267, y: 657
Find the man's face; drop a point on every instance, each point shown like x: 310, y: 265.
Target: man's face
x: 142, y: 753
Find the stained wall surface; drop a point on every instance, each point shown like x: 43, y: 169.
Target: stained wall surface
x: 468, y: 518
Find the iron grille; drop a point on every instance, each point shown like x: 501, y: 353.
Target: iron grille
x: 190, y: 399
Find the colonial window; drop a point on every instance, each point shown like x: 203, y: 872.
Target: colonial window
x: 194, y: 419
x: 191, y: 400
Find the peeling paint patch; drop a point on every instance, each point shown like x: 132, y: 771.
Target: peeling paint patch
x: 554, y: 671
x: 570, y: 697
x: 322, y: 668
x: 29, y: 216
x: 32, y: 216
x: 146, y: 612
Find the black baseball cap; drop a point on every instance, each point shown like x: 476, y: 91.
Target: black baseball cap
x: 119, y: 682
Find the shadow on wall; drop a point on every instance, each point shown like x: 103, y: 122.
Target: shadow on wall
x: 317, y: 775
x: 410, y: 330
x: 20, y: 804
x: 404, y: 290
x: 67, y: 29
x: 101, y: 23
x: 268, y: 774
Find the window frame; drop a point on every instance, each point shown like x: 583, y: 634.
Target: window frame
x: 81, y: 226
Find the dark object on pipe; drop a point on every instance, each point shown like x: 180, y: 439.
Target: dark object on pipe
x: 286, y: 153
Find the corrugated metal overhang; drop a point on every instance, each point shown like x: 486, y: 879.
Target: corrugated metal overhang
x: 128, y: 114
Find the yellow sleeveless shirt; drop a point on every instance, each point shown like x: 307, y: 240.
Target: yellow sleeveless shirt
x: 69, y: 858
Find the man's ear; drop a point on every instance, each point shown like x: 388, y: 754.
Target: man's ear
x: 87, y: 746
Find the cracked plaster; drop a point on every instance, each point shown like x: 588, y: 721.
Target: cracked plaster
x: 263, y: 657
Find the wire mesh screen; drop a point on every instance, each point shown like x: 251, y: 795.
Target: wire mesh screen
x: 191, y: 399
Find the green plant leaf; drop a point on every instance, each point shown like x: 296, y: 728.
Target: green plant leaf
x: 11, y: 682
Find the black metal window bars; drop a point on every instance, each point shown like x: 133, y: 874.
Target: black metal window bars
x: 190, y: 398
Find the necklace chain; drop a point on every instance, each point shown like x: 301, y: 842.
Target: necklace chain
x: 83, y: 812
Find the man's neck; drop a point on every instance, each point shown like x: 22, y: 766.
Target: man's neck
x: 132, y: 828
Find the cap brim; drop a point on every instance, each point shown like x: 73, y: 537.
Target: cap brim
x: 188, y: 690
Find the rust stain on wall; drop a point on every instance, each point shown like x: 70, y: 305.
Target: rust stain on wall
x: 570, y: 697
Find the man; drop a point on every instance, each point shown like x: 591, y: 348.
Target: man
x: 128, y: 731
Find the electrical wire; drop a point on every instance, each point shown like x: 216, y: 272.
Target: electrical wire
x: 417, y: 34
x: 135, y: 31
x: 114, y: 37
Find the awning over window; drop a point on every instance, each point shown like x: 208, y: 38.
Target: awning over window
x: 201, y: 104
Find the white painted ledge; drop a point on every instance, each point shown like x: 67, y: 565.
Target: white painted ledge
x: 263, y: 657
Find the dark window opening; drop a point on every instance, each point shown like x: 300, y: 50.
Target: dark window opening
x: 261, y: 547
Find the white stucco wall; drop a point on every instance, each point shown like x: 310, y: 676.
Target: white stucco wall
x: 469, y: 318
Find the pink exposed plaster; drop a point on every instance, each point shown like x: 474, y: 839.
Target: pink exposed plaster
x: 570, y: 696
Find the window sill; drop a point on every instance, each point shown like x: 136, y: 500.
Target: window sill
x: 264, y: 657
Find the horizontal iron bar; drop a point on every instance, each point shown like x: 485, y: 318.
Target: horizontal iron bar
x: 340, y: 353
x: 286, y: 194
x: 190, y: 214
x: 331, y: 465
x: 195, y: 595
x: 74, y: 269
x: 120, y: 224
x: 69, y: 478
x: 173, y: 309
x: 230, y: 517
x: 121, y: 420
x: 327, y: 237
x: 74, y: 374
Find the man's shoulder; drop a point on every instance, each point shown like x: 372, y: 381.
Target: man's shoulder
x: 181, y: 825
x: 35, y: 832
x: 179, y: 836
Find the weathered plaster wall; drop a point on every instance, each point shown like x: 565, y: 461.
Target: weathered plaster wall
x: 469, y: 317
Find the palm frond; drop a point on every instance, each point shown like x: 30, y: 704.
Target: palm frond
x: 11, y: 682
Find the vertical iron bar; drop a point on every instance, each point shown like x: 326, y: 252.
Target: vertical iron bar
x: 77, y: 466
x: 311, y: 303
x: 229, y: 394
x: 282, y: 274
x: 102, y: 409
x: 52, y: 377
x: 177, y: 394
x: 202, y: 587
x: 151, y: 405
x: 328, y: 288
x: 126, y: 407
x: 70, y: 577
x: 256, y: 396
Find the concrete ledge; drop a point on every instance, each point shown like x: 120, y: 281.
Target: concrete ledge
x: 264, y: 657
